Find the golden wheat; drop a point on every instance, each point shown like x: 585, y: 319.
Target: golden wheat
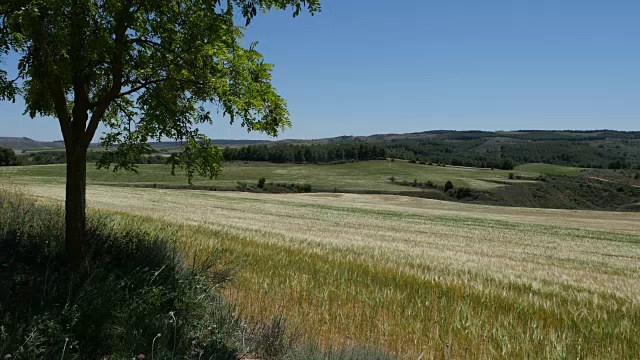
x: 419, y: 277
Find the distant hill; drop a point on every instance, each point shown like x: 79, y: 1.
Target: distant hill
x: 439, y: 135
x: 586, y: 149
x: 218, y: 142
x: 24, y: 143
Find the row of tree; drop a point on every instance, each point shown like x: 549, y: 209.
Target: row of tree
x: 59, y: 157
x: 320, y: 153
x: 614, y: 154
x: 356, y: 151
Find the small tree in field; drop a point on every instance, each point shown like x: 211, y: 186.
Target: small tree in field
x: 144, y: 69
x: 448, y: 186
x: 8, y: 157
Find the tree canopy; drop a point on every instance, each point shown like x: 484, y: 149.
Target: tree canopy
x: 145, y: 69
x: 8, y: 157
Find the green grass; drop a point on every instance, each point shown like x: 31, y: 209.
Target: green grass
x: 366, y: 175
x: 548, y: 169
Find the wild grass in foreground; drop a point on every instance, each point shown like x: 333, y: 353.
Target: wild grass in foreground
x: 138, y: 297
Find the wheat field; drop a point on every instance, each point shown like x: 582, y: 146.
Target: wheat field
x: 422, y: 278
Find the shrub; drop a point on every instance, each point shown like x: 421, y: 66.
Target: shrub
x: 637, y: 176
x: 511, y: 176
x: 448, y: 186
x: 8, y: 157
x: 261, y: 182
x: 412, y: 161
x: 292, y: 187
x: 392, y: 179
x: 461, y: 193
x: 271, y: 340
x: 241, y: 186
x: 506, y: 165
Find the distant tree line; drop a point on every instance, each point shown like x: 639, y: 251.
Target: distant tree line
x: 319, y: 153
x: 457, y: 149
x: 618, y: 154
x: 59, y: 157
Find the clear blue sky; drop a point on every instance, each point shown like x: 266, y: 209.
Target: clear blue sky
x: 372, y: 66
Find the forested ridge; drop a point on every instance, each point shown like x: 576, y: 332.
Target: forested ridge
x: 605, y: 149
x: 589, y: 149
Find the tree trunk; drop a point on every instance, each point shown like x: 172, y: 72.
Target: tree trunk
x: 76, y: 244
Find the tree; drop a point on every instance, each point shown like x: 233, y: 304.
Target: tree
x: 261, y: 182
x: 144, y: 69
x: 448, y: 186
x: 8, y: 157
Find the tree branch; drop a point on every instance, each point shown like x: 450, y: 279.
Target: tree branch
x: 62, y: 111
x: 142, y: 86
x: 117, y: 69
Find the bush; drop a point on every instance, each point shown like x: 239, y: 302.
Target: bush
x: 448, y: 186
x: 506, y: 165
x: 637, y: 176
x: 292, y: 187
x: 461, y: 193
x: 8, y: 157
x: 511, y: 176
x: 241, y: 186
x: 261, y: 182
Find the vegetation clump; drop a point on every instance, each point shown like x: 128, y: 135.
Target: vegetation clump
x: 261, y: 182
x: 8, y: 157
x: 448, y: 186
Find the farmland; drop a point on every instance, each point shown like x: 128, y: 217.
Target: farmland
x: 367, y: 175
x: 418, y: 277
